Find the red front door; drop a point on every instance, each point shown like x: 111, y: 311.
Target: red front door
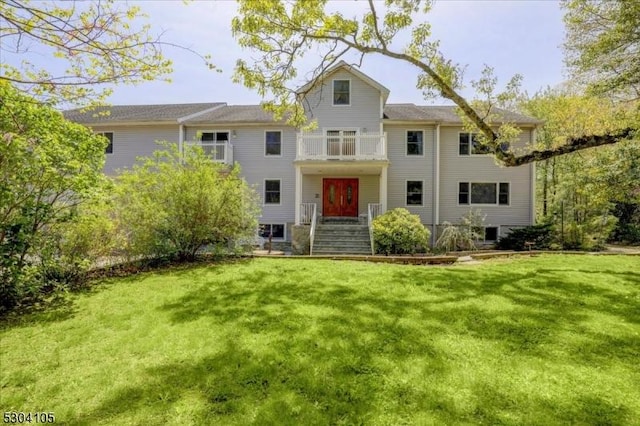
x: 339, y: 197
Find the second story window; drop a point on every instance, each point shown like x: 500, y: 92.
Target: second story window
x: 341, y: 92
x: 109, y: 136
x: 214, y: 137
x: 469, y: 144
x: 415, y: 145
x: 273, y: 143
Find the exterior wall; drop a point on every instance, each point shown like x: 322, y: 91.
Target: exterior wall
x: 455, y: 168
x: 130, y: 142
x: 363, y: 112
x: 405, y: 167
x: 249, y: 152
x: 368, y: 190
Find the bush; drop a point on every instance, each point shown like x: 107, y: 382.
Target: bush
x: 399, y: 232
x: 464, y: 235
x: 540, y: 235
x: 173, y: 205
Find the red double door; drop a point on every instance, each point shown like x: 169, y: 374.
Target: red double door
x: 339, y: 197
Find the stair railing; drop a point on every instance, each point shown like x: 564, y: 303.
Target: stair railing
x: 312, y: 231
x: 374, y: 210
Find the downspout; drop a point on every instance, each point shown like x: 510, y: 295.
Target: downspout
x: 436, y: 186
x: 180, y: 138
x: 534, y: 135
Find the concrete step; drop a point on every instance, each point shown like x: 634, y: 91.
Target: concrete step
x: 342, y: 238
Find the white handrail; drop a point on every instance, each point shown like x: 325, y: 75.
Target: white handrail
x: 312, y: 231
x: 374, y: 210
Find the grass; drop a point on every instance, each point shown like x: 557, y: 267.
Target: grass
x: 540, y: 340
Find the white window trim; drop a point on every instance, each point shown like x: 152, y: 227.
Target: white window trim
x: 496, y: 204
x: 113, y: 140
x: 284, y: 225
x: 471, y: 154
x: 424, y: 147
x: 264, y: 192
x: 405, y: 193
x: 281, y: 144
x: 333, y: 88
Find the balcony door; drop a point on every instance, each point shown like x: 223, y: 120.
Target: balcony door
x: 341, y: 142
x: 339, y: 197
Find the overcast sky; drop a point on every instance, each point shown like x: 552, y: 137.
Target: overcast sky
x: 512, y: 36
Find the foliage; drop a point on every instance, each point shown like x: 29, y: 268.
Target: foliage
x: 283, y: 33
x: 603, y: 45
x: 464, y: 235
x: 48, y: 166
x: 577, y: 192
x: 173, y: 205
x: 98, y: 44
x: 540, y: 235
x: 319, y: 342
x: 627, y: 229
x: 399, y: 232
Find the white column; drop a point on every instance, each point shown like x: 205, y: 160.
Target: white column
x: 298, y: 196
x: 436, y: 186
x: 383, y: 188
x: 532, y: 171
x: 180, y: 138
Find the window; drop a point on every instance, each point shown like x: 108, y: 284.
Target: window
x: 415, y: 142
x: 272, y: 191
x: 469, y: 144
x: 463, y: 193
x: 275, y: 229
x: 414, y: 193
x: 214, y: 144
x: 503, y: 195
x: 214, y: 137
x: 483, y: 193
x: 273, y: 143
x: 491, y: 233
x: 109, y: 136
x: 341, y: 92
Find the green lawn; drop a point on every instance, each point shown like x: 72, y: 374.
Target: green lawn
x: 541, y: 340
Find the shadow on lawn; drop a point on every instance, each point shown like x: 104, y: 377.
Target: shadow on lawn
x: 338, y: 354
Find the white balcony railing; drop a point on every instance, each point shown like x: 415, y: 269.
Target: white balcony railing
x: 367, y: 146
x: 221, y: 152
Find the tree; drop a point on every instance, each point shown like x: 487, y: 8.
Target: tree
x: 578, y: 192
x: 284, y: 33
x: 174, y: 204
x: 603, y: 45
x: 98, y: 44
x: 48, y: 166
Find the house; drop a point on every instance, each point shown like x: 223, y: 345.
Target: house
x: 366, y: 156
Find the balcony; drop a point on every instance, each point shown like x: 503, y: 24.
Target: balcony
x: 342, y: 145
x: 220, y: 152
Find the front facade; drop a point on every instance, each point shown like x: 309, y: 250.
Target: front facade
x: 364, y: 157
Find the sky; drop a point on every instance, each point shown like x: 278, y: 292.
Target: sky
x: 513, y: 36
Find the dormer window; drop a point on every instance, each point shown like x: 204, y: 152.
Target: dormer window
x: 341, y: 92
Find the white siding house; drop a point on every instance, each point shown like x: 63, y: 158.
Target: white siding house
x: 363, y: 154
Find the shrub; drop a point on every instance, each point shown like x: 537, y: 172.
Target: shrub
x: 174, y: 205
x: 540, y: 235
x: 399, y: 232
x: 464, y: 235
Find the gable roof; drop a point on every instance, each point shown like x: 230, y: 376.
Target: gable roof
x: 444, y: 114
x: 139, y: 113
x: 342, y: 65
